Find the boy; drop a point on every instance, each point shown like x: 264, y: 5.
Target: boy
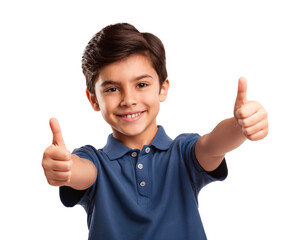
x: 142, y: 184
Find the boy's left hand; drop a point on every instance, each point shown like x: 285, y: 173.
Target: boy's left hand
x: 250, y: 115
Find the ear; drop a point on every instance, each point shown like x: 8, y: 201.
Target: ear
x: 164, y: 91
x: 92, y: 99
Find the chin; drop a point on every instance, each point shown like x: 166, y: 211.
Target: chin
x: 132, y: 131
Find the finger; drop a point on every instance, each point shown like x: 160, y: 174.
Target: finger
x: 57, y: 183
x: 253, y: 119
x: 241, y: 98
x: 57, y: 153
x: 259, y: 135
x: 248, y: 110
x: 58, y: 166
x: 56, y: 131
x: 61, y: 176
x: 61, y: 166
x: 256, y: 128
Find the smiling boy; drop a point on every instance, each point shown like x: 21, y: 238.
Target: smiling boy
x: 128, y: 93
x: 142, y: 184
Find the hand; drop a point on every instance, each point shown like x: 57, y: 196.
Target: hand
x: 250, y: 115
x: 57, y: 162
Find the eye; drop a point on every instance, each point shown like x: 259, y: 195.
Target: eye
x: 142, y: 85
x: 112, y: 89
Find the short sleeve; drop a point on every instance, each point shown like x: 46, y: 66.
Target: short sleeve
x: 69, y: 196
x: 200, y: 177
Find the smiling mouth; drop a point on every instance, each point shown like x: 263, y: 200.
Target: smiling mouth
x: 131, y: 116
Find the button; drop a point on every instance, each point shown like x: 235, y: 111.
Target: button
x: 134, y: 154
x: 140, y: 166
x: 147, y: 150
x: 142, y: 184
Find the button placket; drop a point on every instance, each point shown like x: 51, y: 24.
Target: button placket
x: 142, y: 173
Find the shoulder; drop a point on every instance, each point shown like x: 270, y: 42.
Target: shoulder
x: 85, y: 149
x: 88, y: 152
x: 184, y: 144
x: 186, y: 138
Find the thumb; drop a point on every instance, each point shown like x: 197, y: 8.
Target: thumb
x: 56, y: 132
x: 241, y: 93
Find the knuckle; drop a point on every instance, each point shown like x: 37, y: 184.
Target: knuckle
x: 46, y: 152
x: 245, y: 122
x: 251, y: 138
x: 67, y: 176
x: 264, y: 133
x: 247, y: 132
x: 241, y: 113
x: 67, y: 155
x: 244, y: 131
x: 49, y: 151
x: 44, y: 164
x: 64, y: 176
x: 66, y: 167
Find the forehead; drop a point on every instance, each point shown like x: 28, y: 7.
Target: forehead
x: 127, y: 68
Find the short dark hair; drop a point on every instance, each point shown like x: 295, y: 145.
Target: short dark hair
x: 116, y: 42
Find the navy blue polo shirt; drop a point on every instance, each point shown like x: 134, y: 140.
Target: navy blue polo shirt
x: 148, y: 194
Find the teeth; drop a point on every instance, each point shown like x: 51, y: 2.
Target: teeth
x: 132, y: 115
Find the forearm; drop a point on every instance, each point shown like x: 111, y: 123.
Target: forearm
x: 83, y: 173
x: 211, y: 148
x: 225, y: 137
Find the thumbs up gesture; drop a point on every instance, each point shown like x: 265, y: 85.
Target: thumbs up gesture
x: 57, y: 162
x: 250, y: 115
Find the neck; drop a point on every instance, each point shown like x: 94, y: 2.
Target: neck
x: 137, y: 141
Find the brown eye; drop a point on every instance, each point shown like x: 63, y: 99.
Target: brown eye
x: 142, y: 85
x: 113, y: 89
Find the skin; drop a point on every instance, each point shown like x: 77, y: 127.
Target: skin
x: 249, y: 122
x: 128, y: 95
x: 128, y: 87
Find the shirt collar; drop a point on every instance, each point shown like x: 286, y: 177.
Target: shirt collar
x: 115, y: 149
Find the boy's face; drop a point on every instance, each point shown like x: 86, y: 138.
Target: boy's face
x: 128, y: 94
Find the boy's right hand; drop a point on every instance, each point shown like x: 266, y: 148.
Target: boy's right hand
x: 57, y: 161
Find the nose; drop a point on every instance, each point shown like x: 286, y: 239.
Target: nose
x: 129, y: 98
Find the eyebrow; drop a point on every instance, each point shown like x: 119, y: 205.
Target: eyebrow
x: 143, y: 76
x: 110, y: 82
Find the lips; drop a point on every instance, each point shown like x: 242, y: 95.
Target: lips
x: 131, y: 116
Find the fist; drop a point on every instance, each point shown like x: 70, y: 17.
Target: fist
x: 250, y: 115
x: 57, y: 162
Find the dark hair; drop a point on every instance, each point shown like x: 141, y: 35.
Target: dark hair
x: 116, y: 42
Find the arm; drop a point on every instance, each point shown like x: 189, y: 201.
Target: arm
x: 61, y: 168
x: 249, y: 121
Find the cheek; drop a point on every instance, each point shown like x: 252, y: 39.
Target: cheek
x: 107, y: 105
x: 151, y: 100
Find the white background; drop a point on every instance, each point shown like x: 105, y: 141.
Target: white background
x: 209, y: 45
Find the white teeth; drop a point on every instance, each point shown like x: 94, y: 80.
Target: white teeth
x: 132, y: 115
